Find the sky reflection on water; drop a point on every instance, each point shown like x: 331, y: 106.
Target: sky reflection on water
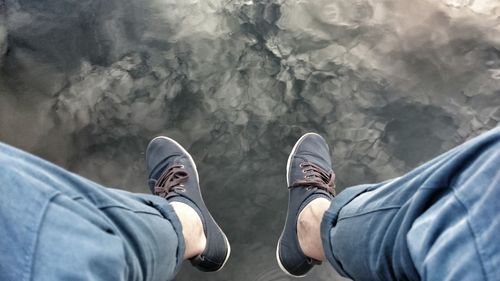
x: 390, y: 84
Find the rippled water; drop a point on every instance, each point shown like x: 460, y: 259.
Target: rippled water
x: 389, y: 83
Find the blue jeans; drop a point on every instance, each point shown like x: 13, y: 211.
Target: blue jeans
x: 55, y: 225
x: 438, y: 222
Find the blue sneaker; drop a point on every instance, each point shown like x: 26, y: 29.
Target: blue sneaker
x: 309, y: 176
x: 173, y: 175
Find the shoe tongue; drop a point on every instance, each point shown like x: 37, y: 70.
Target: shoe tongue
x: 160, y: 167
x: 158, y: 170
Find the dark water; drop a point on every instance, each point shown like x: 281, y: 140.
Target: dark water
x: 390, y: 84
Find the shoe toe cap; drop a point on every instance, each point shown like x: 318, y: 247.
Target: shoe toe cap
x: 159, y: 149
x: 314, y: 145
x: 312, y: 148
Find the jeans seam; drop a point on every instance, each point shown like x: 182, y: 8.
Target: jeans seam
x: 130, y: 210
x: 481, y: 258
x: 368, y: 212
x: 29, y: 268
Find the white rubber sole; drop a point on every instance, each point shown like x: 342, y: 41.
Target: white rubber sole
x: 288, y: 162
x: 294, y: 149
x: 198, y: 181
x: 228, y: 252
x: 281, y: 265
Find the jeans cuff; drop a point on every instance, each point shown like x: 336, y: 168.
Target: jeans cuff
x: 330, y: 219
x: 167, y: 211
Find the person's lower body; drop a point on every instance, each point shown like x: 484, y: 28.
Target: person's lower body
x: 438, y: 222
x: 56, y: 225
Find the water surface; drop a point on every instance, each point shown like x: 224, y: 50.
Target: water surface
x: 390, y: 84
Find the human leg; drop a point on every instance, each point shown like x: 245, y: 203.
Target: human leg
x: 173, y: 176
x: 57, y: 225
x: 435, y: 223
x: 309, y: 230
x: 388, y: 231
x: 192, y: 230
x: 310, y: 180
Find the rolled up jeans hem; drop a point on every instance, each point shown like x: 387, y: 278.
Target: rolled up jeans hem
x: 330, y: 219
x: 168, y: 212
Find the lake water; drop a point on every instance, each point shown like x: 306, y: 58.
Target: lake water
x: 390, y: 84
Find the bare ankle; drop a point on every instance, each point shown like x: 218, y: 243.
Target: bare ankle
x: 308, y: 228
x: 192, y: 229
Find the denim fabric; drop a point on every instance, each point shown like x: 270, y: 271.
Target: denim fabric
x: 438, y: 222
x: 55, y: 225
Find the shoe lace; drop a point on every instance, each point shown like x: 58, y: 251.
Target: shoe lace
x: 170, y: 180
x: 315, y: 176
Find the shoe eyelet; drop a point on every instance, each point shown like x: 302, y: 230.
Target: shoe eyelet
x: 182, y: 166
x: 301, y: 164
x: 180, y: 189
x: 304, y: 171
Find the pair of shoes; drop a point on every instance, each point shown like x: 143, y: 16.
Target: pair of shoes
x: 173, y: 175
